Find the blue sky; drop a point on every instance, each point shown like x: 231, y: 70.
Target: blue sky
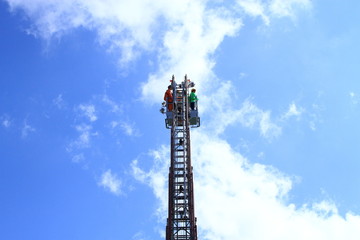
x: 84, y: 151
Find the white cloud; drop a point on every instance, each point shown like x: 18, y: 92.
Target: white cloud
x: 114, y: 124
x: 269, y: 9
x: 122, y: 25
x: 110, y: 182
x: 59, y: 102
x: 261, y: 155
x: 88, y: 111
x: 127, y: 128
x: 354, y: 98
x: 115, y: 108
x: 84, y: 138
x: 184, y: 33
x: 247, y: 113
x: 184, y: 39
x: 237, y: 199
x: 139, y: 236
x: 26, y: 129
x: 156, y: 177
x: 78, y: 158
x: 315, y: 116
x: 5, y: 121
x: 254, y: 8
x: 293, y: 111
x: 189, y: 43
x: 312, y: 125
x: 288, y: 8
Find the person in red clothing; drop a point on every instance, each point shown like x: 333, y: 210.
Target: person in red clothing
x: 168, y: 97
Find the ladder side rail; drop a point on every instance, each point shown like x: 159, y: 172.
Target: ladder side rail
x: 190, y: 174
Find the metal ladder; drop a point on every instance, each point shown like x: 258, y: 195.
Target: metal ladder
x: 181, y: 223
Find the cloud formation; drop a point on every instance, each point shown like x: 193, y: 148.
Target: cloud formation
x: 156, y: 177
x: 184, y: 34
x: 127, y: 128
x: 83, y: 140
x: 26, y: 129
x: 110, y: 182
x: 237, y: 199
x: 293, y: 111
x: 354, y: 98
x: 248, y: 114
x: 59, y: 102
x: 88, y: 111
x: 5, y: 121
x: 267, y: 10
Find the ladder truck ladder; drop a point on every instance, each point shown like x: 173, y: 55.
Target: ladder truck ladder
x: 181, y: 221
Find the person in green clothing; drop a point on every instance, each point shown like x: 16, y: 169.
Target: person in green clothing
x: 192, y: 98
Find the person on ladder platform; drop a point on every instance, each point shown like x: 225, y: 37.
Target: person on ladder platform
x: 193, y: 99
x: 181, y: 106
x: 168, y: 97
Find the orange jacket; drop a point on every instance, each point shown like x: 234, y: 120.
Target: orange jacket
x: 168, y: 96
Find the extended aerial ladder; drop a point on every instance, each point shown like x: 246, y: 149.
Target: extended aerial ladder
x: 181, y: 221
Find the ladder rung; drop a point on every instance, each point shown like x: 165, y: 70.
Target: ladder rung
x: 179, y: 175
x: 179, y: 169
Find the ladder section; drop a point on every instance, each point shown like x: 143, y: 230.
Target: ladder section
x: 181, y: 220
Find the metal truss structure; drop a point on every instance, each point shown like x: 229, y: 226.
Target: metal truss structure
x: 181, y: 221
